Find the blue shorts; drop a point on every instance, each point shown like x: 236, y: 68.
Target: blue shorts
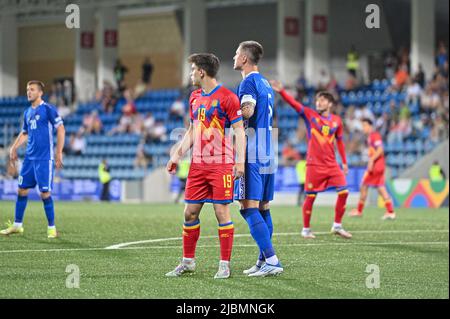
x: 37, y: 172
x: 255, y: 185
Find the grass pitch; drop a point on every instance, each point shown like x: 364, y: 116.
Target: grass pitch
x: 412, y: 254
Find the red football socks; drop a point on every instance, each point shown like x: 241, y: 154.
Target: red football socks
x: 191, y: 233
x: 307, y: 209
x: 226, y: 236
x: 340, y: 206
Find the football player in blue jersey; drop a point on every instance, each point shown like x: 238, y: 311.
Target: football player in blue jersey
x: 255, y: 190
x: 39, y: 122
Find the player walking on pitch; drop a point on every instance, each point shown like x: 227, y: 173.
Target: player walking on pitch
x: 213, y: 109
x: 39, y: 122
x: 322, y: 169
x: 374, y: 175
x: 255, y: 190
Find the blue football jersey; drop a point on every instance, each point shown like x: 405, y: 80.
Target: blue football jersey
x: 255, y: 88
x: 39, y: 123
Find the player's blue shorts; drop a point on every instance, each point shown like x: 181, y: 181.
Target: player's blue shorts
x: 255, y: 185
x: 37, y: 172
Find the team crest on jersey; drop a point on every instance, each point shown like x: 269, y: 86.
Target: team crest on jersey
x: 215, y: 103
x: 37, y: 117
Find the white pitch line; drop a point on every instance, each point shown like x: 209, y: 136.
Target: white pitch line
x: 122, y: 245
x: 346, y: 243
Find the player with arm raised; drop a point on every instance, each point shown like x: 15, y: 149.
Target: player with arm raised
x: 213, y: 109
x: 255, y: 190
x: 374, y: 175
x: 39, y: 122
x: 322, y: 169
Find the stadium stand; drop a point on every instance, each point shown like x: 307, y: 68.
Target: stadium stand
x: 120, y: 149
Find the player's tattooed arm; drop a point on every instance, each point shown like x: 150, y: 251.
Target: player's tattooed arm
x: 248, y: 109
x: 240, y: 146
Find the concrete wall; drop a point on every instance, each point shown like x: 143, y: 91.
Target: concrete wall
x: 157, y: 36
x: 45, y: 52
x: 421, y: 168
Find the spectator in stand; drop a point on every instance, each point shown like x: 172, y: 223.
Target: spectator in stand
x: 63, y: 110
x: 130, y: 107
x: 119, y: 75
x: 141, y: 160
x: 332, y: 85
x: 290, y: 155
x: 77, y: 144
x: 158, y: 133
x: 429, y: 99
x: 441, y: 56
x: 124, y: 126
x: 363, y: 112
x: 148, y: 125
x: 92, y: 123
x: 324, y: 79
x: 413, y: 91
x: 401, y: 77
x: 147, y: 71
x: 178, y: 109
x: 351, y: 82
x: 390, y: 65
x: 107, y: 97
x: 403, y: 57
x: 353, y: 61
x: 382, y: 124
x: 419, y: 77
x: 439, y: 131
x: 352, y: 123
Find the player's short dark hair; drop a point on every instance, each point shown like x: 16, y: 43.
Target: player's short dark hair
x: 368, y: 121
x: 40, y: 84
x: 207, y: 62
x: 327, y: 95
x: 254, y: 51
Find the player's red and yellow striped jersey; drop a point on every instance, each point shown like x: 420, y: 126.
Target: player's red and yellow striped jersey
x: 322, y: 133
x: 375, y: 141
x: 211, y: 115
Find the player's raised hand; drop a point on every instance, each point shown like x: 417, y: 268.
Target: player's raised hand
x: 172, y: 167
x: 59, y: 160
x: 277, y: 86
x: 238, y: 170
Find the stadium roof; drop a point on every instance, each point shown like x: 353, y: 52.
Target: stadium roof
x: 27, y: 8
